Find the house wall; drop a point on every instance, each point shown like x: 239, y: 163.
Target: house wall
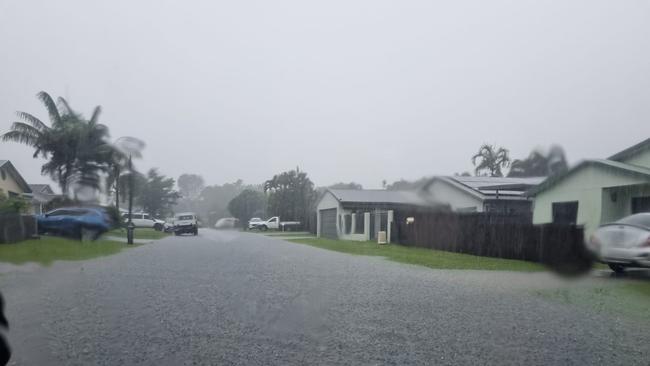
x: 642, y: 159
x: 586, y: 187
x: 459, y: 200
x: 9, y: 184
x: 617, y: 201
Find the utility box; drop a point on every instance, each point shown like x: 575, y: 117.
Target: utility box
x: 381, y: 237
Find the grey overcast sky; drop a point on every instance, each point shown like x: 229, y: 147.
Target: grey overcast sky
x: 347, y: 90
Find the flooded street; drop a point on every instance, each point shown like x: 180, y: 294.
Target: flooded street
x: 236, y: 298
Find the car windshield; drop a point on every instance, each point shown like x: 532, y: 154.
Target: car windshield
x: 334, y: 182
x: 636, y: 220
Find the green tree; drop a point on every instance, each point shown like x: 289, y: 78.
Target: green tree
x: 490, y: 159
x: 405, y: 185
x: 157, y: 195
x: 342, y: 185
x: 10, y: 205
x: 539, y: 164
x: 247, y: 204
x: 117, y: 159
x: 291, y: 196
x: 190, y: 185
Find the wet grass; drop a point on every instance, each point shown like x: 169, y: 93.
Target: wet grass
x: 139, y: 233
x: 287, y: 233
x: 49, y: 249
x: 423, y: 257
x: 626, y: 298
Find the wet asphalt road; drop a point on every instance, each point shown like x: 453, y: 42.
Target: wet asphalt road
x: 243, y: 299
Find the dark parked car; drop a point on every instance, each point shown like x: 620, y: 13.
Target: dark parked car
x: 79, y: 222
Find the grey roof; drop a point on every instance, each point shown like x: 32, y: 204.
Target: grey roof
x: 631, y: 151
x: 488, y: 187
x: 619, y: 167
x: 39, y: 187
x: 376, y: 196
x: 494, y: 183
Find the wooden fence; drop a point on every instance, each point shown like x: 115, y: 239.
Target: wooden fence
x: 494, y: 235
x: 15, y: 227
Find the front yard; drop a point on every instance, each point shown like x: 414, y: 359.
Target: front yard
x: 621, y: 297
x: 49, y: 249
x: 139, y: 233
x: 421, y: 256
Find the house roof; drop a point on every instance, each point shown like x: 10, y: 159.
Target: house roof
x: 42, y: 193
x: 488, y: 187
x: 41, y: 188
x: 619, y: 167
x: 9, y: 168
x: 376, y: 196
x: 631, y: 151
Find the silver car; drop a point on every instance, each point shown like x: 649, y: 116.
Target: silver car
x: 624, y: 243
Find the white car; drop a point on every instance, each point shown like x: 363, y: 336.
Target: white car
x: 186, y: 222
x: 252, y: 223
x: 624, y: 243
x: 142, y: 219
x: 227, y: 223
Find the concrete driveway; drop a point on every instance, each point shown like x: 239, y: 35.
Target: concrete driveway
x: 245, y: 299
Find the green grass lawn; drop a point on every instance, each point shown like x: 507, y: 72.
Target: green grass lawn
x: 421, y: 256
x: 627, y: 298
x: 48, y: 249
x: 286, y: 233
x: 139, y: 233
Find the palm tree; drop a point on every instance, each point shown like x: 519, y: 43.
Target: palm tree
x: 538, y: 164
x: 33, y: 132
x: 491, y: 160
x: 71, y: 144
x: 118, y: 156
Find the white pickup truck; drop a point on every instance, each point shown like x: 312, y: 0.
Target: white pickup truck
x: 275, y: 224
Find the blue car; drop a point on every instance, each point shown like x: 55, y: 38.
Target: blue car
x: 79, y: 222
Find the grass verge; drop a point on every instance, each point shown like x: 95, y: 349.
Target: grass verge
x: 49, y: 249
x: 630, y: 299
x: 421, y: 256
x: 139, y: 233
x: 286, y: 233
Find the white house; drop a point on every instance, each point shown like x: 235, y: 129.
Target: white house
x: 360, y: 214
x: 597, y: 191
x: 12, y: 183
x: 42, y: 195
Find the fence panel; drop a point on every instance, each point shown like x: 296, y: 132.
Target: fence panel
x: 493, y: 235
x: 16, y: 227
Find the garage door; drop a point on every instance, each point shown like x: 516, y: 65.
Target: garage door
x: 328, y: 223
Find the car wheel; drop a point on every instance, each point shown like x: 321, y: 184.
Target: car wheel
x: 196, y: 232
x: 616, y: 267
x: 264, y: 228
x: 158, y: 227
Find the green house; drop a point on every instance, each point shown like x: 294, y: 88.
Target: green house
x: 596, y: 191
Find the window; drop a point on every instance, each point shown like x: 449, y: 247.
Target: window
x: 565, y: 212
x: 347, y: 218
x: 359, y: 223
x: 146, y: 217
x: 640, y: 204
x: 185, y: 217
